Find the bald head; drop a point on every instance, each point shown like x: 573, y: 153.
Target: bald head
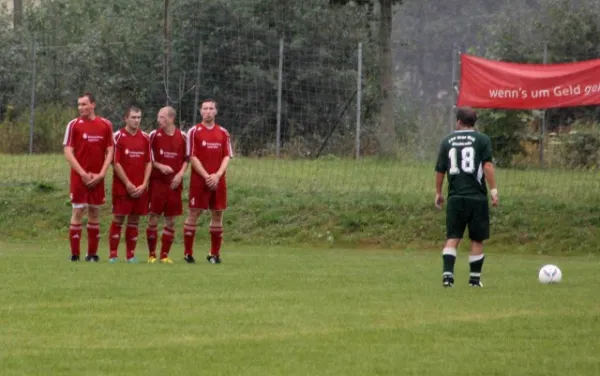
x: 166, y: 117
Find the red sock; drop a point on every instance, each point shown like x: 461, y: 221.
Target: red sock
x: 115, y: 237
x: 75, y: 239
x: 216, y: 239
x: 131, y: 235
x: 166, y: 240
x: 189, y: 233
x: 151, y: 237
x: 93, y: 233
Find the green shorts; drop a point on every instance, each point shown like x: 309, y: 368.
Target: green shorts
x: 462, y: 212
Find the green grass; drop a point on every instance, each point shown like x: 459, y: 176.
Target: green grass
x: 303, y: 311
x: 311, y: 284
x: 336, y: 203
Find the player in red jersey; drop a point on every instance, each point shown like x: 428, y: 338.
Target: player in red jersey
x: 169, y: 162
x: 132, y: 168
x: 88, y: 148
x: 209, y: 148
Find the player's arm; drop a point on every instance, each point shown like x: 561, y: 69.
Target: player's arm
x: 490, y: 177
x: 139, y: 190
x: 191, y: 153
x: 197, y: 166
x: 178, y: 178
x: 441, y: 167
x: 108, y: 157
x: 489, y: 172
x: 69, y: 152
x: 228, y: 153
x: 119, y: 171
x: 147, y: 172
x: 122, y: 176
x: 70, y: 157
x: 163, y: 168
x: 223, y: 166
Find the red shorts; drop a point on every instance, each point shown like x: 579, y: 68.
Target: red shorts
x: 82, y: 196
x: 164, y: 200
x: 204, y: 198
x: 126, y: 205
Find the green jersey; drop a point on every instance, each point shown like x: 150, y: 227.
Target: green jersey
x: 462, y: 155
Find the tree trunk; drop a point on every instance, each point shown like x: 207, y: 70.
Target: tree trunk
x: 387, y: 131
x: 167, y: 51
x: 17, y: 13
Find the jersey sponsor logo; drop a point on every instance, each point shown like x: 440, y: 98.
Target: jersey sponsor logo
x: 168, y: 154
x: 92, y: 137
x: 134, y: 153
x: 211, y: 145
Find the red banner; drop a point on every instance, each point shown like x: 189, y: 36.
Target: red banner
x: 493, y: 84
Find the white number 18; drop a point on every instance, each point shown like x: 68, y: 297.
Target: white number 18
x: 467, y: 161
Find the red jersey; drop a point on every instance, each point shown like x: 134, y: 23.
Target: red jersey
x: 210, y: 146
x: 168, y: 150
x: 132, y: 152
x: 89, y: 140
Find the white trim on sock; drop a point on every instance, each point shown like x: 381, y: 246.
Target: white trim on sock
x: 475, y: 258
x: 449, y: 251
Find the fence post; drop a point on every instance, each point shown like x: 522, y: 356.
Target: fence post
x: 279, y: 88
x: 453, y: 91
x: 32, y: 104
x: 358, y: 99
x: 197, y: 86
x: 543, y: 129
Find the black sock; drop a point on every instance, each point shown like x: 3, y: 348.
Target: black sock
x: 475, y: 266
x: 449, y: 258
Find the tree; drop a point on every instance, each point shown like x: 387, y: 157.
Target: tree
x: 385, y: 112
x: 17, y: 13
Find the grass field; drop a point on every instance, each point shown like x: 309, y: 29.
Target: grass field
x: 284, y: 311
x: 331, y: 267
x: 337, y: 203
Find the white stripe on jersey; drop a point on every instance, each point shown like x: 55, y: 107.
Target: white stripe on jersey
x: 151, y: 138
x: 190, y: 141
x: 68, y: 132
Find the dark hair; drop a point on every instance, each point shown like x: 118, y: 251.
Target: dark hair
x: 89, y: 95
x: 467, y: 116
x: 130, y: 109
x: 210, y: 100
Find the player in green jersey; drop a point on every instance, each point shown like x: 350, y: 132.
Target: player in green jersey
x: 466, y: 156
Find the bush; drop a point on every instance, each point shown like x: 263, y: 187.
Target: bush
x: 582, y: 150
x: 507, y: 130
x: 49, y: 128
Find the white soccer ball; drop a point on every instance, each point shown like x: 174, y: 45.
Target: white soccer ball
x: 550, y: 274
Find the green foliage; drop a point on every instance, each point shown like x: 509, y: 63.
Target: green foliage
x: 127, y: 57
x: 571, y: 33
x: 506, y: 130
x: 582, y: 150
x: 49, y: 128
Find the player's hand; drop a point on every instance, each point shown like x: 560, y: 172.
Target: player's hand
x: 177, y: 179
x: 139, y: 190
x: 439, y: 201
x: 96, y: 178
x: 166, y: 170
x: 212, y: 181
x: 494, y: 195
x: 130, y: 189
x: 87, y: 178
